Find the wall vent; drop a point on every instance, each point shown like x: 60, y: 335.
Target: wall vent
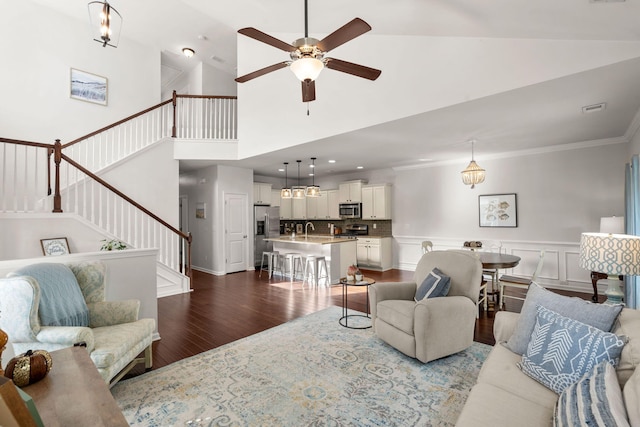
x: 594, y: 108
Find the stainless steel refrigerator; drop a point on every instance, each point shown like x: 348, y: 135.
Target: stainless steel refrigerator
x: 266, y: 224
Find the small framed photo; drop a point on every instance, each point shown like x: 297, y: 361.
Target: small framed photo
x: 55, y: 246
x: 88, y: 87
x: 201, y: 210
x: 498, y: 210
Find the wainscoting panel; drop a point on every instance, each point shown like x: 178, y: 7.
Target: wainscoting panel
x: 560, y: 269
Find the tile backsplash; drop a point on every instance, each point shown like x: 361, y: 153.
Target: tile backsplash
x: 322, y: 227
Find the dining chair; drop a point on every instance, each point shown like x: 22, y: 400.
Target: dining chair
x: 519, y: 282
x: 427, y: 246
x: 488, y: 273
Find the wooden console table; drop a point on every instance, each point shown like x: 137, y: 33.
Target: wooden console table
x: 74, y: 393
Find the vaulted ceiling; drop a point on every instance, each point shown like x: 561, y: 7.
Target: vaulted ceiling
x: 534, y: 117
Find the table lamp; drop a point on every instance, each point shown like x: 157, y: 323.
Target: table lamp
x: 613, y: 255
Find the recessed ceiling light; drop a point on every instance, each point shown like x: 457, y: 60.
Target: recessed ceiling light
x: 280, y: 170
x: 424, y: 160
x: 360, y: 167
x: 311, y: 174
x: 332, y: 161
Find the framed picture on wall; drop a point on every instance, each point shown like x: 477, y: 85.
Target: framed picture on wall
x: 498, y: 210
x: 55, y: 246
x: 201, y: 210
x: 88, y: 87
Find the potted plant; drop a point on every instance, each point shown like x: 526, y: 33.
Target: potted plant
x: 113, y: 245
x: 358, y: 275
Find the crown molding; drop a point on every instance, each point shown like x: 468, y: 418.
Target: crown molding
x: 523, y: 153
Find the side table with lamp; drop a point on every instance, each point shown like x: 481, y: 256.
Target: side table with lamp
x: 614, y: 255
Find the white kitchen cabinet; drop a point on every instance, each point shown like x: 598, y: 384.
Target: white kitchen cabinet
x: 275, y: 197
x: 333, y: 204
x: 374, y: 253
x: 324, y: 207
x: 313, y: 207
x: 350, y: 192
x: 261, y: 193
x: 376, y: 202
x: 299, y: 208
x: 285, y: 209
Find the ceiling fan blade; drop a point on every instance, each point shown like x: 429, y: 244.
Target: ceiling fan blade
x: 266, y: 38
x: 351, y: 68
x: 261, y: 72
x: 347, y: 32
x: 308, y: 90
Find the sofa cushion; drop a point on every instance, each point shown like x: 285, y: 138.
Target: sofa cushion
x: 436, y: 284
x: 599, y: 316
x: 628, y: 324
x: 398, y: 313
x: 61, y: 301
x: 561, y: 350
x: 631, y: 393
x: 488, y: 405
x: 595, y: 400
x: 500, y: 370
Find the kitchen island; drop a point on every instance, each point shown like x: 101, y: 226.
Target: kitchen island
x: 339, y: 252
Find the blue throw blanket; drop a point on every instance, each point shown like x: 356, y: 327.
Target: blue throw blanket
x: 61, y: 300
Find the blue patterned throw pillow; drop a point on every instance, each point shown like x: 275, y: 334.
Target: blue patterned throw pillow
x: 436, y: 284
x: 595, y: 400
x: 562, y: 350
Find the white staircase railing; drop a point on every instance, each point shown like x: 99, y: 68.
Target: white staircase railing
x: 31, y: 169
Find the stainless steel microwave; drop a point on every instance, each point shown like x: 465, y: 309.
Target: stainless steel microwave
x: 350, y: 210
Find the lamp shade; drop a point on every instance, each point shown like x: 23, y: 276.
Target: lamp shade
x: 612, y: 224
x: 307, y: 68
x: 611, y: 254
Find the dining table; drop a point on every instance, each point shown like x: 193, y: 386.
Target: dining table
x: 496, y: 261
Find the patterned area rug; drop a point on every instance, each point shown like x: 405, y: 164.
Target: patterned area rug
x: 308, y: 372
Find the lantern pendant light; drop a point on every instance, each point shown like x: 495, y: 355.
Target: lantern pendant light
x: 106, y: 23
x: 313, y: 190
x: 285, y: 193
x: 298, y: 190
x: 473, y: 174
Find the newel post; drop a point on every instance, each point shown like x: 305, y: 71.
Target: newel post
x: 57, y: 158
x: 174, y: 102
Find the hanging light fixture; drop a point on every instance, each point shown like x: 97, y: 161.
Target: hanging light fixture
x: 313, y: 190
x: 106, y: 23
x: 285, y: 193
x: 473, y: 174
x: 188, y: 52
x: 298, y: 190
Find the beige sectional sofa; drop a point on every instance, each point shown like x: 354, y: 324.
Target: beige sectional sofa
x: 505, y: 396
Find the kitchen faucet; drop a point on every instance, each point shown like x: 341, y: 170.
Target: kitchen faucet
x: 306, y: 228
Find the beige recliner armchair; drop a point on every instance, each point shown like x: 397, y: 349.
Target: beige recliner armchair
x: 434, y: 327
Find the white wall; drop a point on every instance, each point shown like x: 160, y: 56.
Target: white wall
x: 40, y: 49
x: 209, y: 185
x: 150, y: 178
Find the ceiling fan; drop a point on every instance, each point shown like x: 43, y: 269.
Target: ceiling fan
x: 308, y: 55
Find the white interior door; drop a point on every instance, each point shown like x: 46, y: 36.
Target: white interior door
x: 235, y: 226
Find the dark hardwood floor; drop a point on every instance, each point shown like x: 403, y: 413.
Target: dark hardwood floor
x: 222, y: 309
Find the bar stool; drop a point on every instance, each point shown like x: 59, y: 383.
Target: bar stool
x: 312, y: 267
x: 272, y: 259
x: 291, y: 260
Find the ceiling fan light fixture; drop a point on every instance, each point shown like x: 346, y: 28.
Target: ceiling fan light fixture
x: 307, y: 68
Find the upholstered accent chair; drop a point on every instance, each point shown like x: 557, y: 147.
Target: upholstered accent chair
x: 433, y: 327
x: 113, y: 335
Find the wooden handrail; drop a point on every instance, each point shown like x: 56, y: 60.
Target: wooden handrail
x: 207, y: 96
x: 118, y: 123
x: 122, y: 195
x: 29, y: 143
